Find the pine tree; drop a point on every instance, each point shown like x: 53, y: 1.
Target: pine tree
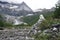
x: 57, y: 12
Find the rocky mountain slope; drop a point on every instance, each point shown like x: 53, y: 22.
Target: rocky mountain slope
x: 15, y: 34
x: 15, y: 9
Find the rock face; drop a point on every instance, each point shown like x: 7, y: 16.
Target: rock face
x: 56, y: 27
x: 19, y: 34
x: 15, y: 9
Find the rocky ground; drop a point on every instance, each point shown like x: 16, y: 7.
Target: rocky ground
x: 15, y: 34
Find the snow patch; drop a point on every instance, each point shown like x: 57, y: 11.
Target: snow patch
x: 29, y: 15
x: 13, y: 7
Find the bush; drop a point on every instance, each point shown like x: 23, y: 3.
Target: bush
x: 48, y: 22
x: 42, y: 36
x: 47, y: 36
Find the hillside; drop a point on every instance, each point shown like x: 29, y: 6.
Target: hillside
x: 31, y: 19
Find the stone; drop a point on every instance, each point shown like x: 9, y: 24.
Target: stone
x: 15, y: 34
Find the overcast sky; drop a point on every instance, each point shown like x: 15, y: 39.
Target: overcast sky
x: 36, y: 4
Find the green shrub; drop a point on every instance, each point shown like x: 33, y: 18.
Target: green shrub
x: 48, y: 22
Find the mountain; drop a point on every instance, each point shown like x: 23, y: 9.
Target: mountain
x: 44, y: 11
x: 15, y: 9
x: 12, y: 12
x: 4, y: 2
x: 58, y: 1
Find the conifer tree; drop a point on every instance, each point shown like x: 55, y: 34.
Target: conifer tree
x: 57, y: 12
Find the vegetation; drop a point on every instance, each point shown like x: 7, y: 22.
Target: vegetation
x: 22, y: 26
x: 57, y: 12
x: 1, y: 21
x: 4, y: 24
x: 46, y: 24
x: 47, y: 36
x: 31, y: 19
x: 53, y: 18
x: 49, y: 20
